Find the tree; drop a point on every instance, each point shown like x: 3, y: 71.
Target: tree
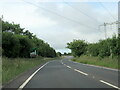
x: 78, y: 47
x: 25, y: 46
x: 65, y: 53
x: 103, y: 48
x: 93, y: 49
x: 10, y: 44
x: 19, y: 43
x: 59, y: 54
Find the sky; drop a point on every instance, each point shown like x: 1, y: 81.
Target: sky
x: 58, y: 22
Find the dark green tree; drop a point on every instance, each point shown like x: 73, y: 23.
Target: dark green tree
x: 10, y: 44
x: 78, y: 47
x: 59, y: 54
x: 19, y: 43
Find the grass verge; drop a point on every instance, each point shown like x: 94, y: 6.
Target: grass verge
x: 13, y: 67
x: 106, y: 62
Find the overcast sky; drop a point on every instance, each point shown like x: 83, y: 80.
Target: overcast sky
x: 59, y: 22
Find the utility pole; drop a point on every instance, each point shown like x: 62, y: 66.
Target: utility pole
x: 1, y: 49
x: 119, y: 19
x: 1, y: 18
x: 105, y: 30
x: 1, y: 37
x: 106, y: 24
x: 119, y: 36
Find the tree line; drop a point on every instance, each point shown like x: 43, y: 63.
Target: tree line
x: 18, y: 42
x: 102, y: 48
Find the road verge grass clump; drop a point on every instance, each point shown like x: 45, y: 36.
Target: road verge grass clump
x: 11, y: 67
x: 106, y: 62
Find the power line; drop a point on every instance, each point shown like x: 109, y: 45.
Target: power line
x: 107, y: 10
x: 81, y: 11
x: 59, y: 15
x: 105, y: 24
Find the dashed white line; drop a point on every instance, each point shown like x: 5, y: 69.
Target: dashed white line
x: 109, y: 84
x: 93, y: 76
x: 24, y: 84
x: 68, y: 66
x: 76, y: 70
x: 81, y: 72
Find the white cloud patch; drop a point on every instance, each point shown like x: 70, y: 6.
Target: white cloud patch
x: 58, y: 22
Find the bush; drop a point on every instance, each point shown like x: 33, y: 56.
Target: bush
x: 19, y: 43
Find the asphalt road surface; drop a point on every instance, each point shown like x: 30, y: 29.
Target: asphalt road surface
x: 68, y: 74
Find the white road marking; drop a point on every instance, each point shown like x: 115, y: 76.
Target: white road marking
x: 81, y: 72
x: 109, y: 84
x: 93, y: 77
x: 68, y: 66
x: 61, y: 61
x: 76, y: 70
x: 97, y: 66
x: 102, y: 67
x: 23, y: 85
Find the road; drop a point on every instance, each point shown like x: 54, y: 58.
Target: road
x: 68, y: 74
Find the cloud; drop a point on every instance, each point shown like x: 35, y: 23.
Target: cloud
x: 58, y: 22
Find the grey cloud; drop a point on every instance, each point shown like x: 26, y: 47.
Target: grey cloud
x: 66, y: 30
x: 59, y: 30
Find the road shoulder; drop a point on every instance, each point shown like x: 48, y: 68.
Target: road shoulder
x: 103, y: 67
x: 18, y: 80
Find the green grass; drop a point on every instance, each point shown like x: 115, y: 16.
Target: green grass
x: 13, y: 67
x: 106, y: 62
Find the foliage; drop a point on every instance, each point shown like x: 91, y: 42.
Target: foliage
x: 17, y: 42
x: 10, y: 45
x: 93, y: 49
x: 59, y: 54
x: 67, y: 54
x: 78, y: 47
x: 103, y: 48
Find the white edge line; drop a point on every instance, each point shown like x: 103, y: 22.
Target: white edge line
x: 23, y: 85
x: 109, y: 84
x: 81, y: 72
x: 102, y: 67
x: 97, y: 66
